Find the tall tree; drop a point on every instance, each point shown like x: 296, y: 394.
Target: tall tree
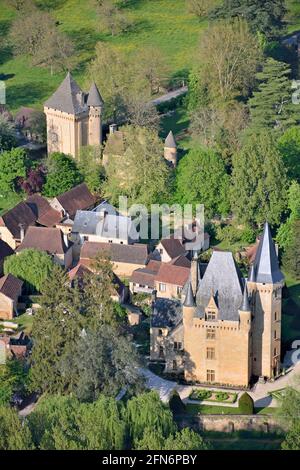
x: 265, y: 16
x: 289, y: 147
x: 271, y: 106
x: 112, y: 19
x: 200, y: 8
x: 62, y: 174
x: 259, y: 182
x: 285, y: 232
x: 201, y: 179
x: 89, y: 165
x: 7, y: 134
x: 14, y: 434
x: 13, y: 166
x: 291, y: 256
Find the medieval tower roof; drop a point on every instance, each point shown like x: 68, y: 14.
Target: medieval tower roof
x: 170, y: 141
x: 266, y: 262
x: 245, y: 307
x: 189, y: 299
x: 68, y: 98
x: 94, y: 98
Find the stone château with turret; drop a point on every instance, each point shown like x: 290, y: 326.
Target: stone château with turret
x: 74, y: 118
x: 227, y: 329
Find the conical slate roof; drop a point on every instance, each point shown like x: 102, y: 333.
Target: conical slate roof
x: 252, y: 273
x: 94, y: 98
x: 245, y: 307
x: 170, y: 141
x: 266, y: 262
x: 68, y: 98
x: 189, y: 299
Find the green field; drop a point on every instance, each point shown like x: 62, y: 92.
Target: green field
x: 164, y: 24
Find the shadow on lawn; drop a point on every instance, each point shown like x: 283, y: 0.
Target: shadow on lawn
x: 27, y: 93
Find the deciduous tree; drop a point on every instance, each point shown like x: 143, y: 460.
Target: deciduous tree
x: 7, y: 134
x: 62, y: 174
x: 13, y: 165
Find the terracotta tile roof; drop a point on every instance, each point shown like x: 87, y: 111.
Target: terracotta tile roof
x: 182, y: 261
x: 20, y: 214
x: 145, y: 276
x: 10, y: 286
x: 78, y: 272
x: 173, y: 247
x: 5, y: 249
x: 170, y: 274
x: 78, y: 198
x: 44, y: 213
x: 46, y: 239
x: 132, y: 254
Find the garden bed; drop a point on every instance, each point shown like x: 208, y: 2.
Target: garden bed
x: 213, y: 395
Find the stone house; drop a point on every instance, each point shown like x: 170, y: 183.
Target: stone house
x: 125, y: 258
x: 170, y: 280
x: 74, y: 118
x: 5, y: 251
x: 229, y: 327
x: 14, y: 347
x: 44, y: 213
x: 142, y: 279
x: 169, y: 248
x: 10, y: 291
x: 50, y: 240
x: 14, y: 223
x: 76, y: 199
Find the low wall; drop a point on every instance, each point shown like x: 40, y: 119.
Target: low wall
x: 231, y: 423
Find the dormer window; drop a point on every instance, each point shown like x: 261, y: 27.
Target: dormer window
x: 211, y: 315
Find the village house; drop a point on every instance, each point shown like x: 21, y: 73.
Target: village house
x: 5, y: 251
x: 142, y: 279
x: 44, y: 213
x: 228, y: 329
x: 170, y: 248
x: 170, y: 280
x: 15, y: 222
x: 76, y: 199
x: 52, y: 241
x: 125, y: 258
x: 10, y: 291
x: 16, y: 347
x: 74, y: 118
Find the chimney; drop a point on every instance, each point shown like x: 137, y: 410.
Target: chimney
x: 22, y: 232
x: 113, y: 128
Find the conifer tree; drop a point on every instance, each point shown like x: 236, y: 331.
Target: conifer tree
x: 291, y: 257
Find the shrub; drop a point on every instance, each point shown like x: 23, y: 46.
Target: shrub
x: 221, y: 396
x: 176, y: 404
x: 248, y: 235
x: 246, y: 404
x: 200, y: 395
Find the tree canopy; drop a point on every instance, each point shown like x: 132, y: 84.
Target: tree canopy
x: 7, y: 134
x: 14, y: 434
x: 13, y: 167
x: 62, y: 174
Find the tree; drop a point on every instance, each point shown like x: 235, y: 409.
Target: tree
x: 34, y: 181
x: 258, y: 191
x: 246, y: 404
x: 13, y: 378
x: 292, y: 438
x: 144, y: 412
x: 38, y: 126
x: 62, y: 174
x: 291, y: 256
x: 57, y: 52
x: 102, y: 361
x: 152, y: 65
x: 228, y: 57
x: 13, y: 165
x: 265, y: 16
x: 289, y: 147
x: 201, y: 179
x: 271, y: 106
x: 89, y: 165
x: 186, y: 439
x: 144, y: 175
x: 32, y: 266
x: 284, y: 234
x: 112, y: 19
x: 289, y: 415
x: 14, y: 434
x: 7, y: 134
x: 141, y: 114
x: 200, y: 8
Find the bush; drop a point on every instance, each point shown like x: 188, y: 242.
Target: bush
x: 176, y: 404
x: 221, y: 396
x: 200, y: 395
x: 246, y: 404
x: 248, y: 235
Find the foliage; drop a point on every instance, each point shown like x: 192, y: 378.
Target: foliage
x: 292, y: 438
x: 62, y: 174
x: 271, y: 106
x: 258, y: 191
x: 186, y: 439
x: 201, y: 179
x: 14, y: 434
x: 112, y: 19
x: 32, y: 266
x: 13, y: 378
x: 246, y: 404
x: 90, y: 167
x: 291, y: 256
x: 144, y: 175
x: 7, y: 134
x: 289, y: 147
x: 284, y: 234
x: 176, y: 404
x: 267, y: 17
x: 221, y: 396
x: 289, y: 414
x: 38, y: 126
x: 200, y: 8
x: 200, y: 394
x: 13, y: 166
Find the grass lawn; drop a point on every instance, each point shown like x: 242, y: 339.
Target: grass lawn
x: 194, y: 409
x: 164, y: 24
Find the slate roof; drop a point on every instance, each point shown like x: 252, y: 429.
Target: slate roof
x: 170, y: 274
x: 224, y: 281
x: 78, y: 198
x: 21, y: 214
x: 131, y: 254
x: 173, y: 247
x: 189, y: 299
x: 48, y: 239
x: 5, y: 250
x: 68, y: 98
x: 170, y: 141
x: 266, y: 264
x: 94, y: 97
x: 110, y: 226
x: 10, y: 286
x: 166, y: 313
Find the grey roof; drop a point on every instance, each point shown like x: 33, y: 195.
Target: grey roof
x: 189, y: 299
x: 245, y: 307
x: 223, y: 280
x: 94, y: 98
x: 266, y: 262
x: 170, y: 141
x: 252, y: 273
x: 68, y: 98
x: 166, y: 313
x: 86, y: 222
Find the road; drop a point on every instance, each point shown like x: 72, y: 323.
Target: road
x: 170, y: 96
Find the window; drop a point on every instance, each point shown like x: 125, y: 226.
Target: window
x: 210, y: 353
x: 174, y: 365
x: 210, y: 376
x: 160, y: 332
x: 211, y: 315
x: 162, y: 287
x: 161, y: 351
x: 110, y: 241
x: 275, y: 352
x: 85, y: 239
x: 179, y: 290
x: 161, y: 251
x: 275, y: 316
x: 275, y: 334
x: 177, y: 346
x: 210, y: 333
